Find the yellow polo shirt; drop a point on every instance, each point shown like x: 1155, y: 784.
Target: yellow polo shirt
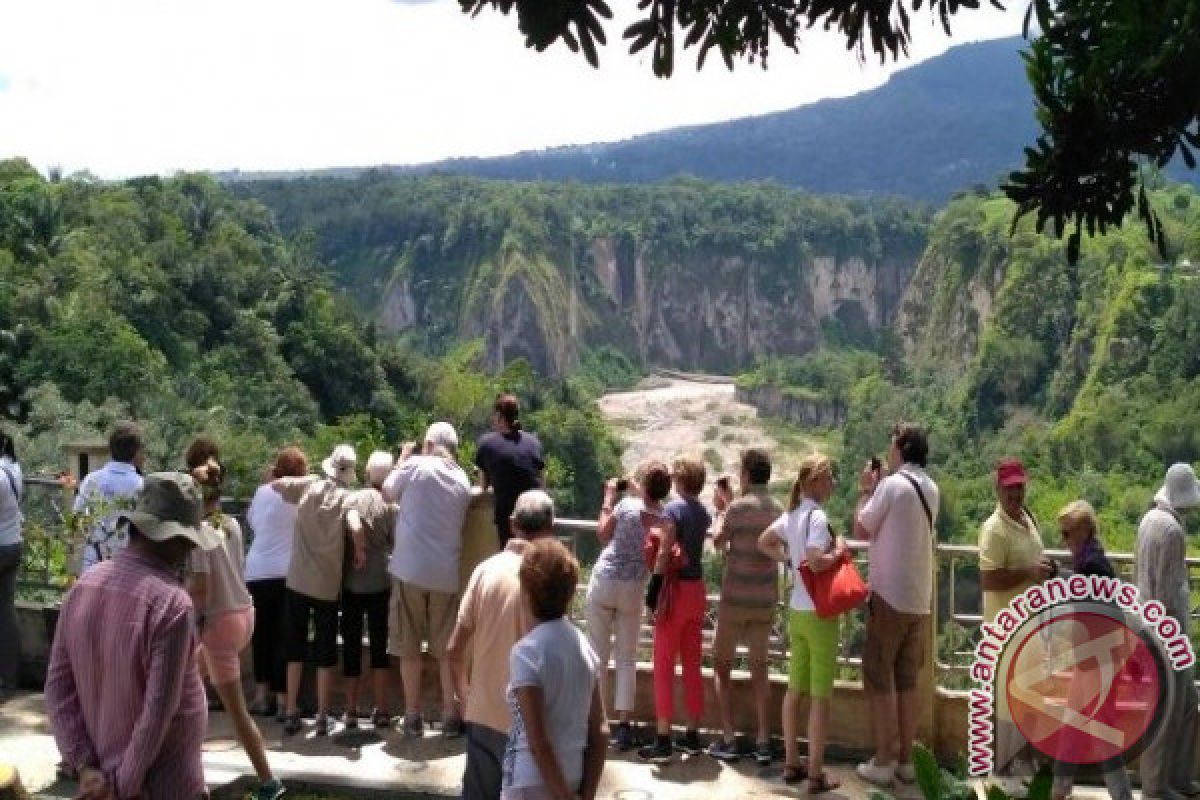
x: 1005, y: 543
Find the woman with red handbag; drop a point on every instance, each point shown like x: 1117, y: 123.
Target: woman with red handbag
x: 803, y: 533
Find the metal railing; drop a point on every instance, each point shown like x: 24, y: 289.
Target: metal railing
x: 45, y: 507
x: 958, y: 606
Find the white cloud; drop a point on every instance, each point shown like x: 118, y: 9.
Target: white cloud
x: 159, y: 85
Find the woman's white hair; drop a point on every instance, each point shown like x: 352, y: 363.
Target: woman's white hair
x: 534, y: 512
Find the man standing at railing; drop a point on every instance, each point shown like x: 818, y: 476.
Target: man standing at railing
x: 109, y: 490
x: 749, y: 597
x: 896, y: 514
x: 1010, y: 561
x: 1162, y: 575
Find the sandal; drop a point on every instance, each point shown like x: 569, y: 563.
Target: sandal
x: 794, y: 773
x: 823, y: 783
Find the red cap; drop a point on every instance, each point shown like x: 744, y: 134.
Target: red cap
x: 1009, y: 472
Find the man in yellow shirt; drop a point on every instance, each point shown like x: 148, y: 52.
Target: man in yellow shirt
x: 1010, y: 561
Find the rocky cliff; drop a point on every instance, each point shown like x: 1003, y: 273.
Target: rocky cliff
x: 688, y: 275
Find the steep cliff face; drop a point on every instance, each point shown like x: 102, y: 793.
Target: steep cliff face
x: 701, y: 311
x: 1017, y: 329
x: 693, y: 276
x: 950, y: 299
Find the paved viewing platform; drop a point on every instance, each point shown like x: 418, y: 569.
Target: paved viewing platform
x: 364, y: 763
x: 363, y: 760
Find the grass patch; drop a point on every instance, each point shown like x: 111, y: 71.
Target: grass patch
x: 711, y: 433
x: 713, y: 459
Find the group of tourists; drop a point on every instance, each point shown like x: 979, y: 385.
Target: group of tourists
x: 754, y: 535
x: 529, y: 691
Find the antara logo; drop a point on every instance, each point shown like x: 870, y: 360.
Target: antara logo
x: 1081, y: 668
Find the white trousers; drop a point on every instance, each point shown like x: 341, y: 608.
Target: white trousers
x: 613, y: 609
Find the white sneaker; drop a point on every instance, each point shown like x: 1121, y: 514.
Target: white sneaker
x: 905, y: 773
x: 873, y: 773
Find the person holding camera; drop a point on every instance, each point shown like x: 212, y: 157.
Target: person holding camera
x: 224, y: 609
x: 897, y: 511
x: 432, y: 492
x: 616, y: 591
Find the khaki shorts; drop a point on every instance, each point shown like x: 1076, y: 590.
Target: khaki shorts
x: 418, y: 615
x: 895, y: 647
x: 748, y: 626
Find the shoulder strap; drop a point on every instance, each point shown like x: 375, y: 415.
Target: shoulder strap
x: 920, y: 496
x: 12, y: 482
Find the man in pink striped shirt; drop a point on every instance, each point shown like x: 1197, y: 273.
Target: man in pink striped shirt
x: 124, y: 699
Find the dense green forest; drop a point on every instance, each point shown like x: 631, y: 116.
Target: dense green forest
x: 253, y: 315
x: 1090, y: 374
x: 172, y: 301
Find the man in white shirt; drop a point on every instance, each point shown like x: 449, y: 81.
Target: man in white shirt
x: 109, y: 490
x: 896, y: 514
x: 432, y: 492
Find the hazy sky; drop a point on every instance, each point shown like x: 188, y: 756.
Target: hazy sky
x: 136, y: 86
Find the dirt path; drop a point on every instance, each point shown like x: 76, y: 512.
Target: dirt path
x: 671, y: 417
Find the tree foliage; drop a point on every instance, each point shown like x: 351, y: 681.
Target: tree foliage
x: 1089, y: 376
x: 1116, y: 89
x: 172, y: 301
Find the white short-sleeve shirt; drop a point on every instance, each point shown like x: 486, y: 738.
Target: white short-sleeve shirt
x: 803, y: 527
x: 272, y: 520
x: 900, y: 555
x: 557, y: 658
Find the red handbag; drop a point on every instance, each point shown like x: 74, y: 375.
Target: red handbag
x: 836, y: 590
x: 676, y: 561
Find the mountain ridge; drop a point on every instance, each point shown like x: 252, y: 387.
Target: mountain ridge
x: 926, y: 133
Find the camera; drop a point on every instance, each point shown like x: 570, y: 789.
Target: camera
x: 876, y: 464
x: 622, y: 484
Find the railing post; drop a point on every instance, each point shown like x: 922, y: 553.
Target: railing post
x: 927, y: 685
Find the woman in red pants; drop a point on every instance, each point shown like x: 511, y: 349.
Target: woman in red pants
x: 677, y: 596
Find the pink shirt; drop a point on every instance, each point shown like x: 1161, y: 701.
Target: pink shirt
x: 122, y: 691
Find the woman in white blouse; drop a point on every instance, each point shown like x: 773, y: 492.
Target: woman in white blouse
x: 273, y: 523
